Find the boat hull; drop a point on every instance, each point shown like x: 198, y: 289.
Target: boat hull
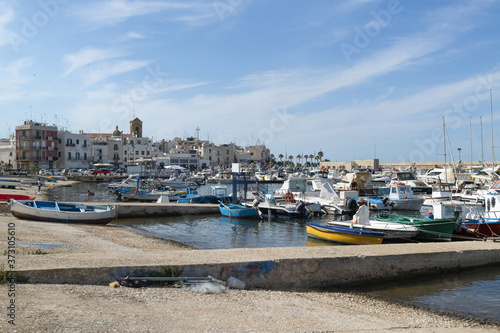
x: 483, y: 228
x: 7, y: 197
x: 391, y: 230
x: 343, y: 235
x: 9, y: 183
x: 237, y: 211
x: 430, y: 229
x: 62, y: 212
x: 408, y: 204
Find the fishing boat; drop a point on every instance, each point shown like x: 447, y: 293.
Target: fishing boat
x: 486, y: 224
x: 392, y: 231
x: 219, y: 193
x: 433, y: 228
x: 68, y: 212
x: 9, y: 183
x: 344, y: 235
x: 7, y: 197
x: 402, y: 197
x: 231, y: 210
x: 271, y: 207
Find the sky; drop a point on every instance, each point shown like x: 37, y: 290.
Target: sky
x: 354, y: 79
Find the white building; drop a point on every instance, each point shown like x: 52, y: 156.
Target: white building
x: 8, y: 153
x: 74, y: 150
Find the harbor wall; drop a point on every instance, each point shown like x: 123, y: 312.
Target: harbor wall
x: 296, y: 268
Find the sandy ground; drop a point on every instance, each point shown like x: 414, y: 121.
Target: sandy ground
x: 100, y: 308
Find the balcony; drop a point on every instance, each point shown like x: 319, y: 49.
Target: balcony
x: 70, y: 145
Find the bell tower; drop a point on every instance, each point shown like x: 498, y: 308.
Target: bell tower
x: 136, y: 128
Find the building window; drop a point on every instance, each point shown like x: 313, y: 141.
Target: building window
x: 77, y: 156
x: 115, y: 146
x: 85, y: 143
x: 77, y: 141
x: 142, y: 153
x: 69, y: 155
x: 85, y: 156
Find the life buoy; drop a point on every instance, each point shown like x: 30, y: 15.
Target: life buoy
x: 136, y: 190
x: 143, y: 186
x: 289, y: 197
x: 151, y: 188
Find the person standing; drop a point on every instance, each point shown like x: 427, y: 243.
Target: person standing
x: 39, y: 183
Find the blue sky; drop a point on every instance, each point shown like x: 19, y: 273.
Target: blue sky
x: 354, y: 79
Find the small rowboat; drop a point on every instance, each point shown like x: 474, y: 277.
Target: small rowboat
x: 344, y: 235
x: 10, y: 183
x: 230, y: 210
x: 7, y: 197
x: 68, y: 212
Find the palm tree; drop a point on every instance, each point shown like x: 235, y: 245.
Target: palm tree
x: 280, y: 157
x: 320, y: 155
x: 311, y: 156
x: 291, y: 159
x: 298, y: 158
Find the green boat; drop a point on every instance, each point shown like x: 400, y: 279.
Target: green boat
x: 430, y: 229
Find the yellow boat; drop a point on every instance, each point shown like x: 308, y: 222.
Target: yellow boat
x: 344, y: 235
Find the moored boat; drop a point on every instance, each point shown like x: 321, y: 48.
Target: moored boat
x: 440, y: 229
x: 231, y: 210
x: 344, y: 235
x: 68, y: 212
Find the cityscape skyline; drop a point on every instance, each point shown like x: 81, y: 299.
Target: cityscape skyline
x: 355, y: 79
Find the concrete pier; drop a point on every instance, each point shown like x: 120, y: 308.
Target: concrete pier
x: 276, y: 268
x: 141, y: 209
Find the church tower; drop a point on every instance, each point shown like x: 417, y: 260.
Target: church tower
x: 136, y: 128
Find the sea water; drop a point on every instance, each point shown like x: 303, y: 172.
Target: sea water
x: 473, y: 293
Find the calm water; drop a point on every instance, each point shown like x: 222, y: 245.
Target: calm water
x: 474, y: 293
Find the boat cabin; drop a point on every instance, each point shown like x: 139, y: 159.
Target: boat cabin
x: 440, y: 190
x: 400, y: 192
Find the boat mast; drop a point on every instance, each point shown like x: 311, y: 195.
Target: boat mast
x: 444, y: 144
x: 482, y: 150
x: 470, y: 130
x: 492, y: 147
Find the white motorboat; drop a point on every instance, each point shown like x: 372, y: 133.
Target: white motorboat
x: 403, y: 198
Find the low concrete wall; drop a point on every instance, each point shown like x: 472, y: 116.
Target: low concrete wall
x: 138, y: 209
x: 298, y: 273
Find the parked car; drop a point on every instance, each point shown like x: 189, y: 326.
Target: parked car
x: 100, y: 172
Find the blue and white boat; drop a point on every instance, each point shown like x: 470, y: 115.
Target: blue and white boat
x: 68, y: 212
x: 231, y: 210
x: 219, y: 193
x: 9, y: 183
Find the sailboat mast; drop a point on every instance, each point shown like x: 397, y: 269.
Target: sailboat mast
x: 470, y: 130
x: 444, y: 144
x: 482, y: 151
x: 492, y: 147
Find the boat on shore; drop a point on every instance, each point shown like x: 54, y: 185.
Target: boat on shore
x: 7, y: 197
x: 66, y: 212
x: 344, y: 235
x: 9, y: 183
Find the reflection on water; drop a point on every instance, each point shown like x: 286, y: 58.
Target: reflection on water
x: 474, y: 293
x: 218, y: 232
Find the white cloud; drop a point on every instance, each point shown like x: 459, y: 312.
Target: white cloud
x: 7, y: 15
x: 115, y: 11
x: 88, y: 56
x: 104, y: 70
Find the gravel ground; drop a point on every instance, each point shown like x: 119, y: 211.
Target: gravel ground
x: 100, y: 308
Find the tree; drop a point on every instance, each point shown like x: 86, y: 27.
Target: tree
x: 298, y: 158
x: 291, y: 159
x: 280, y: 157
x: 311, y: 156
x: 320, y: 155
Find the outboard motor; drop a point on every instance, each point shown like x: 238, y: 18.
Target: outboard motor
x: 301, y: 207
x: 256, y: 202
